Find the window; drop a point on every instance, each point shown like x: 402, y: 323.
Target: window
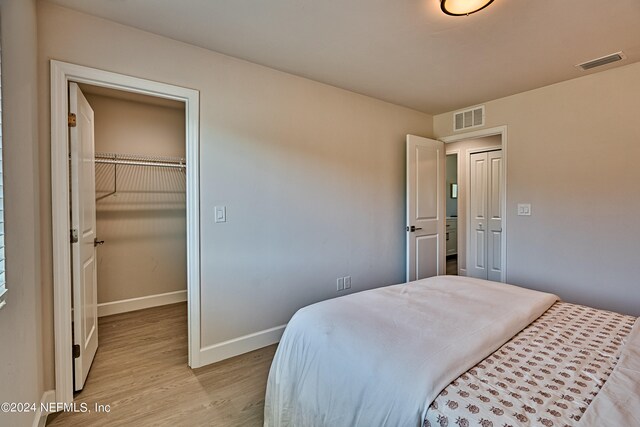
x: 3, y: 288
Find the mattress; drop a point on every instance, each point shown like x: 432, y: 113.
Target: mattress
x: 380, y: 357
x: 455, y: 352
x: 547, y: 375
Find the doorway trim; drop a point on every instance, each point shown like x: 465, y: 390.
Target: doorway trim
x: 502, y: 131
x: 61, y: 74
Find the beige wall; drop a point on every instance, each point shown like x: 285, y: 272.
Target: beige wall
x: 21, y: 368
x: 463, y: 148
x: 572, y: 153
x: 143, y: 225
x: 312, y: 176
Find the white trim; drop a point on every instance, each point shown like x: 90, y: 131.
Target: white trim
x: 40, y: 419
x: 502, y: 131
x: 133, y: 304
x: 61, y: 74
x: 234, y: 347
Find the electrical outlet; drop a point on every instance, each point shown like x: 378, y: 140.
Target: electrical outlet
x: 347, y: 282
x: 340, y: 283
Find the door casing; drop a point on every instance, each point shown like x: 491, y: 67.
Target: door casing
x: 61, y: 74
x: 502, y: 131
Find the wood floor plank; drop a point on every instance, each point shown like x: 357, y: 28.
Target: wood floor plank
x: 141, y: 371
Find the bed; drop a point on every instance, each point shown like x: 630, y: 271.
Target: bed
x: 455, y: 351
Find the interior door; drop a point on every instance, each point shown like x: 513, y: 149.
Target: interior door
x: 477, y: 257
x: 83, y: 224
x: 485, y: 212
x: 494, y: 215
x: 426, y: 244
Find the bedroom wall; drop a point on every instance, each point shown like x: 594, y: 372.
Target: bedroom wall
x: 21, y: 366
x: 463, y: 147
x: 144, y: 224
x: 572, y: 153
x: 312, y: 176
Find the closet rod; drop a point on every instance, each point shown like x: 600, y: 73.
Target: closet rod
x: 179, y: 165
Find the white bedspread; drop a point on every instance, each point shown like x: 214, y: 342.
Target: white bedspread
x: 618, y: 403
x: 379, y: 357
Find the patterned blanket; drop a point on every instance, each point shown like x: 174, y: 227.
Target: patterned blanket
x: 546, y: 375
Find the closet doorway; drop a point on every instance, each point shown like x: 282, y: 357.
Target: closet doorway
x: 125, y: 163
x: 476, y: 217
x: 136, y: 219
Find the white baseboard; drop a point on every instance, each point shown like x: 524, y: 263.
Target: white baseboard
x: 40, y: 419
x: 224, y: 350
x: 125, y: 305
x: 463, y: 272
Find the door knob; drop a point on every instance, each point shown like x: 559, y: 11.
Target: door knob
x: 97, y: 242
x: 413, y: 228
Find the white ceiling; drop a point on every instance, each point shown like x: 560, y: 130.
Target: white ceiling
x: 402, y: 51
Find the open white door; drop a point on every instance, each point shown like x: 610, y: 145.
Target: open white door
x: 426, y: 245
x: 83, y: 224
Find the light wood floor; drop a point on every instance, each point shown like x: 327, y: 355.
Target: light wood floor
x: 452, y: 265
x: 141, y: 370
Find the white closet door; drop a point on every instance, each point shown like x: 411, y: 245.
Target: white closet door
x: 83, y: 223
x: 426, y: 244
x: 485, y: 233
x: 494, y: 187
x: 478, y: 212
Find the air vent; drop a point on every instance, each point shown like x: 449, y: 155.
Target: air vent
x: 471, y: 118
x: 598, y: 62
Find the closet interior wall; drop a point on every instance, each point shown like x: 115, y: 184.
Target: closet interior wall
x: 143, y: 223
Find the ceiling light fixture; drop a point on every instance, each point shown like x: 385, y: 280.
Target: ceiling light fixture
x: 463, y: 7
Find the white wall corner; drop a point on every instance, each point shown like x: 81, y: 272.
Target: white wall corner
x: 237, y: 346
x: 40, y: 419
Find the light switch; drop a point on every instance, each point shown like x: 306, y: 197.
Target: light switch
x: 340, y: 284
x: 524, y: 209
x: 220, y: 213
x: 347, y: 282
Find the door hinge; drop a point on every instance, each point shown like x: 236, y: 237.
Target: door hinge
x: 76, y: 351
x: 74, y: 236
x: 72, y: 120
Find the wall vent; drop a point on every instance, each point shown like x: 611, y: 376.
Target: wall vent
x: 604, y: 60
x: 471, y: 118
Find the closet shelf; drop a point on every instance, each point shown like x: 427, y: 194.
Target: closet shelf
x: 139, y: 160
x: 116, y: 160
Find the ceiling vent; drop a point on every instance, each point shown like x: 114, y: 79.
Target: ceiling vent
x: 471, y: 118
x: 604, y: 60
